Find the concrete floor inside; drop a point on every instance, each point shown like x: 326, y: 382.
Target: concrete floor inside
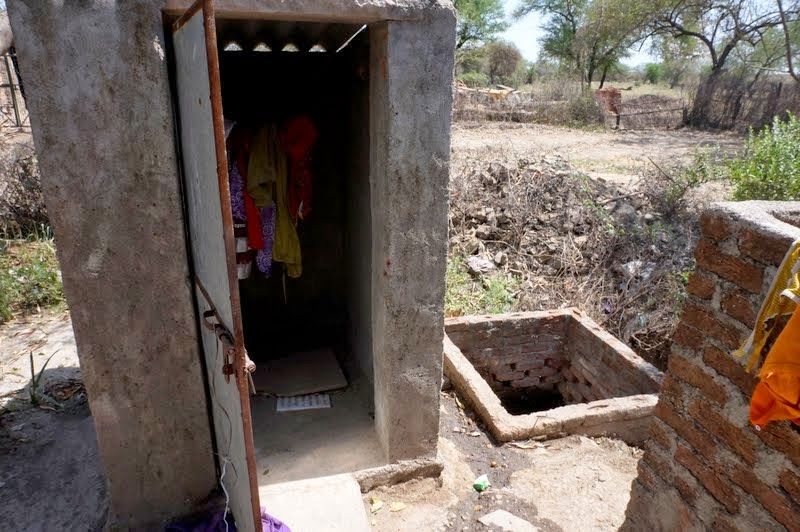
x: 314, y: 443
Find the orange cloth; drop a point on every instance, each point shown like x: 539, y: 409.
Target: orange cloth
x: 777, y: 395
x: 298, y: 137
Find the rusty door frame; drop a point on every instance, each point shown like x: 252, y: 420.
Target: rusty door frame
x: 239, y: 366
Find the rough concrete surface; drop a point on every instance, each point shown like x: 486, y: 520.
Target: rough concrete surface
x: 98, y: 94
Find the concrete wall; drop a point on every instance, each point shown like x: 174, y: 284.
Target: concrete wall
x: 411, y: 73
x: 97, y: 87
x: 358, y: 237
x: 705, y: 467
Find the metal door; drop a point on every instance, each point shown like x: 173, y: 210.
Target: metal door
x: 210, y: 229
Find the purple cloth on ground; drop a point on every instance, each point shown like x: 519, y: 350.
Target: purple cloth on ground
x: 264, y: 256
x: 271, y: 524
x: 236, y: 182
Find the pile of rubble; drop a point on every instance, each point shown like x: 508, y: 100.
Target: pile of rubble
x: 575, y: 241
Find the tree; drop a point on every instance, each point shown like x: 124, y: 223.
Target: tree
x: 504, y: 58
x: 791, y: 33
x: 590, y: 36
x: 479, y: 21
x: 722, y: 27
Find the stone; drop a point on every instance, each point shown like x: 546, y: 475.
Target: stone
x: 479, y: 266
x: 507, y: 522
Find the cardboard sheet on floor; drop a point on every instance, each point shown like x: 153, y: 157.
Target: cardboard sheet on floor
x: 300, y: 373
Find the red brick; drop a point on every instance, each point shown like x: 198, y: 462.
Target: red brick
x: 701, y: 285
x: 672, y: 391
x: 659, y: 434
x: 683, y: 369
x: 686, y: 429
x: 775, y: 503
x: 783, y: 438
x: 716, y: 484
x: 790, y: 481
x: 705, y: 322
x: 723, y: 523
x: 726, y: 365
x: 688, y: 492
x: 738, y: 439
x: 735, y: 304
x: 688, y: 336
x: 763, y: 247
x: 656, y: 458
x: 648, y: 478
x: 715, y: 226
x: 734, y: 269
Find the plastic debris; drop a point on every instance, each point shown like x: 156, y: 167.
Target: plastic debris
x: 481, y: 483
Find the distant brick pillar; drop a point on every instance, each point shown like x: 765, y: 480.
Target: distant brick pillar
x: 704, y: 466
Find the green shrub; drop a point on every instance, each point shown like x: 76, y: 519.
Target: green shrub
x: 770, y: 166
x: 584, y: 110
x: 29, y: 277
x: 653, y: 73
x: 474, y: 79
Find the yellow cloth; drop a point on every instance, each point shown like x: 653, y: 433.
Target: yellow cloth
x: 286, y: 248
x: 267, y: 170
x: 782, y: 298
x: 266, y: 166
x: 777, y: 395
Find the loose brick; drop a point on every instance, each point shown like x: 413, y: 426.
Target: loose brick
x: 701, y: 285
x: 715, y: 226
x: 783, y: 438
x: 688, y: 337
x: 716, y: 484
x: 687, y: 430
x: 790, y: 481
x: 775, y: 503
x: 726, y: 365
x: 735, y: 304
x: 697, y: 377
x: 708, y: 324
x: 764, y: 247
x: 737, y: 439
x: 734, y: 269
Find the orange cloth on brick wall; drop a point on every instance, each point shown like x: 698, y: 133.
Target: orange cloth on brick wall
x: 777, y: 395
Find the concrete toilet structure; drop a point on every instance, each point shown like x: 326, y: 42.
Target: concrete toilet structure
x: 128, y: 102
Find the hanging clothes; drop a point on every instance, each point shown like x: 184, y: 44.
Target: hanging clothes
x: 777, y: 394
x: 240, y: 142
x: 298, y: 137
x: 267, y: 164
x: 264, y: 256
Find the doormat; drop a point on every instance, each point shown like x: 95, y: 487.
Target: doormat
x: 312, y: 401
x: 300, y: 373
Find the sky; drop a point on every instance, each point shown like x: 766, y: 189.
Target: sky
x: 526, y: 32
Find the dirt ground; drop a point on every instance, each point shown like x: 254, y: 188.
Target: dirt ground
x: 616, y: 156
x: 50, y: 473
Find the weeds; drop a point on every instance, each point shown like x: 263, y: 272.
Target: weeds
x: 29, y: 277
x: 464, y: 294
x: 35, y: 394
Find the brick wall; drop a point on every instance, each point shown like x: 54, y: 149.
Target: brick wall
x: 601, y: 367
x: 560, y: 349
x: 704, y: 466
x: 513, y: 351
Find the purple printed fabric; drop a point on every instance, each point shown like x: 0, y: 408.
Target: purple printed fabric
x: 264, y: 256
x: 237, y: 193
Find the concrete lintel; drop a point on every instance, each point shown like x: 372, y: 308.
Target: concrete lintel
x: 364, y: 11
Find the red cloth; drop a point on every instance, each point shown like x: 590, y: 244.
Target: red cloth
x: 239, y: 144
x: 298, y: 137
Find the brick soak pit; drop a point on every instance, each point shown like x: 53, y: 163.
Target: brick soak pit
x: 548, y: 374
